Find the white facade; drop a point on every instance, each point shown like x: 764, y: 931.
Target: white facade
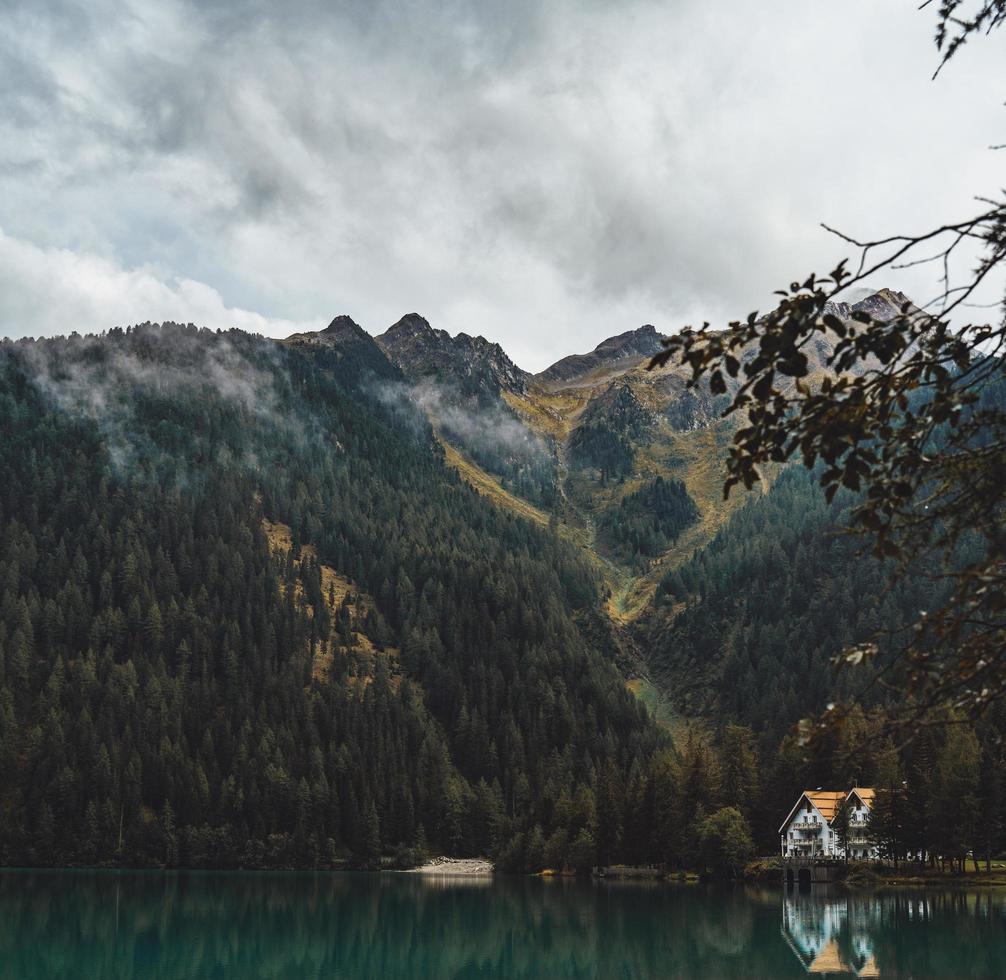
x: 860, y: 848
x: 809, y: 831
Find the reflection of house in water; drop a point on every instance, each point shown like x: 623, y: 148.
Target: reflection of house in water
x: 829, y: 935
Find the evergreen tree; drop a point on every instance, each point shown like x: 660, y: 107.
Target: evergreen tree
x: 954, y: 804
x: 886, y: 825
x: 841, y: 825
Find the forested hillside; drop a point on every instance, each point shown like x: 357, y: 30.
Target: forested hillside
x: 160, y: 697
x: 645, y: 522
x: 756, y: 617
x: 747, y: 629
x: 251, y: 614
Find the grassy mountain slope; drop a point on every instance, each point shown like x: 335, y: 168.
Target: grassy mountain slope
x: 610, y: 430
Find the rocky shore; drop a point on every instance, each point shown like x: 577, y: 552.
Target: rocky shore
x: 454, y: 866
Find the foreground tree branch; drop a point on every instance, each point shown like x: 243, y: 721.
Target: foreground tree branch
x: 911, y: 415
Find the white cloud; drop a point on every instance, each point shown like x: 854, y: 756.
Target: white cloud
x: 544, y: 174
x: 50, y: 291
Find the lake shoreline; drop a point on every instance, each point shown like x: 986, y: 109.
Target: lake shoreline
x: 454, y: 867
x: 861, y: 877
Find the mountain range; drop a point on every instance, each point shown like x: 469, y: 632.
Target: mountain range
x: 272, y: 603
x: 625, y: 462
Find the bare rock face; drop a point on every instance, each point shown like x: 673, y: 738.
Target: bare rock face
x: 692, y: 408
x: 349, y: 345
x: 883, y: 305
x: 620, y: 409
x: 633, y: 344
x: 473, y: 363
x: 342, y: 328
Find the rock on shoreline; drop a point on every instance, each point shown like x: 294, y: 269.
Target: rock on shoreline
x: 454, y: 866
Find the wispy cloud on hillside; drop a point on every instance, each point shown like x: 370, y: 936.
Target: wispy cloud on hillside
x: 486, y: 427
x: 109, y: 383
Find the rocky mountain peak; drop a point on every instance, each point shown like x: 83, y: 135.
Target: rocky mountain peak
x: 343, y: 326
x: 885, y: 304
x: 353, y: 348
x: 642, y: 337
x: 636, y: 344
x: 474, y: 363
x: 411, y: 325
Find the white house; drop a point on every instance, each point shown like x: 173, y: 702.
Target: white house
x: 809, y: 830
x: 860, y: 803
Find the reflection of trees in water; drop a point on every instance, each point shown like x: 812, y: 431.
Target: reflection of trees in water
x: 901, y: 933
x: 63, y: 925
x: 730, y: 933
x: 291, y: 926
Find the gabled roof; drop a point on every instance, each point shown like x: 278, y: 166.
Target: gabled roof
x: 866, y: 795
x: 869, y: 968
x: 824, y: 801
x: 830, y: 960
x: 827, y: 802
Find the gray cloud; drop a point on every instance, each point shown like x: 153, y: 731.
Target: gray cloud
x: 543, y: 174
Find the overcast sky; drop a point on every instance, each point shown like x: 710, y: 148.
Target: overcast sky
x: 546, y: 174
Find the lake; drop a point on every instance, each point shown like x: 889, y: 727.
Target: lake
x: 155, y: 926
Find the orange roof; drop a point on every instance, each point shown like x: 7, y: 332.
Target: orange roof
x: 826, y: 802
x: 866, y: 795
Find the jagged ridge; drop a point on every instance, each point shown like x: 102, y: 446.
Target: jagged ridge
x: 635, y: 344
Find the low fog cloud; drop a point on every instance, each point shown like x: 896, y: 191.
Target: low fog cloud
x: 544, y: 174
x: 103, y: 381
x: 490, y: 427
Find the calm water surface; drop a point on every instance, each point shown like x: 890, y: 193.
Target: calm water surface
x: 157, y: 926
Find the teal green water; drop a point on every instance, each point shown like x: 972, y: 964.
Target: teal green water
x: 231, y: 925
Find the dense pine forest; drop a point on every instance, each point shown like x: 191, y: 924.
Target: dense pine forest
x: 173, y: 690
x: 758, y: 615
x: 762, y: 610
x: 647, y: 521
x: 745, y: 635
x: 250, y: 618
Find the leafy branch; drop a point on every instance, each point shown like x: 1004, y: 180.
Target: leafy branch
x: 906, y: 414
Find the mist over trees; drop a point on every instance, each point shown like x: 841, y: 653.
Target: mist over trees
x: 160, y: 693
x: 176, y: 690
